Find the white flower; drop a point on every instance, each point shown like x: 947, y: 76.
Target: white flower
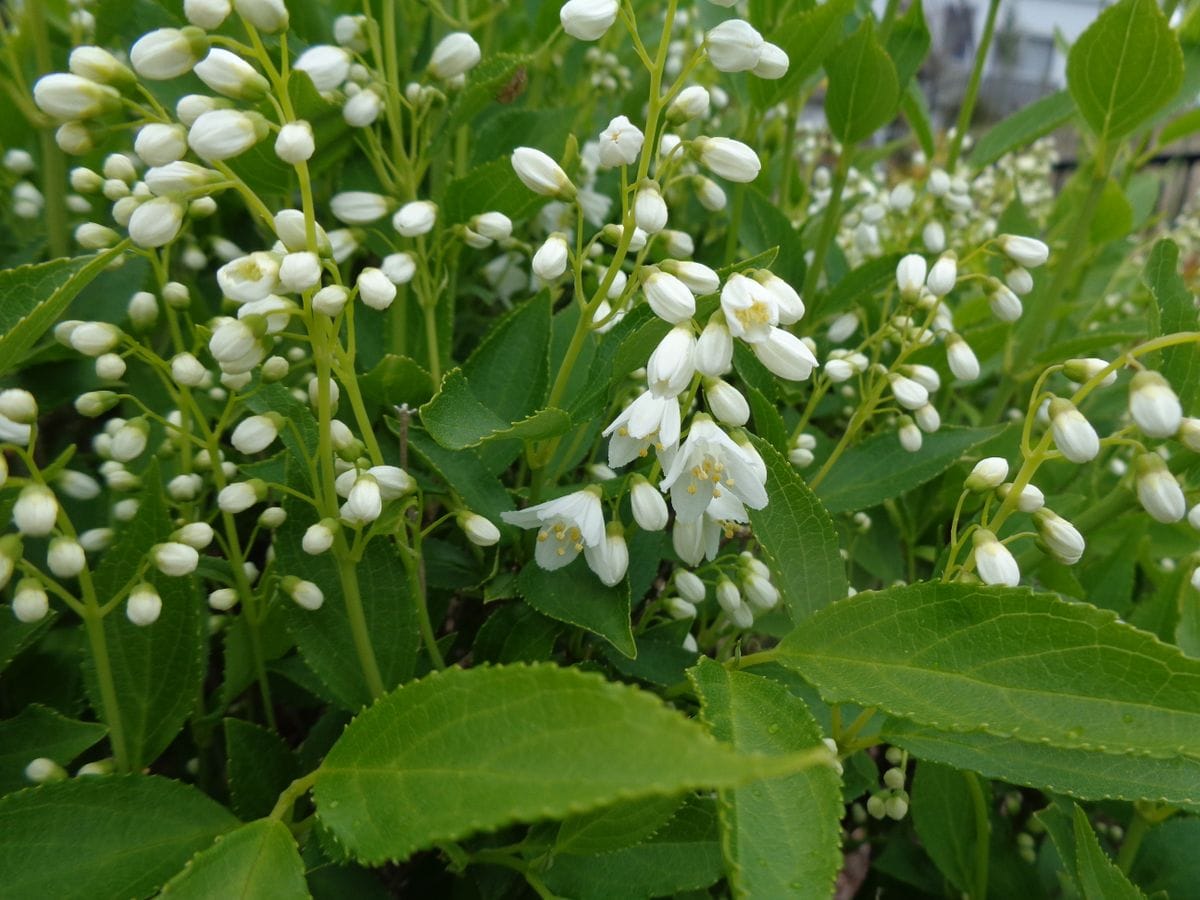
x: 1074, y: 435
x: 76, y: 485
x: 540, y: 173
x: 772, y: 62
x: 144, y: 605
x: 495, y: 226
x: 375, y: 289
x: 18, y: 405
x: 993, y: 560
x: 620, y: 143
x: 399, y: 267
x: 240, y: 496
x: 679, y: 608
x: 699, y: 278
x: 691, y: 103
x: 161, y: 145
x: 609, y: 559
x: 728, y: 158
x: 35, y: 511
x: 256, y: 433
x: 167, y: 52
x: 649, y: 209
x: 249, y: 278
x: 961, y: 358
x: 726, y: 402
x: 327, y: 66
x: 714, y: 348
x: 707, y: 465
x: 1158, y: 491
x: 208, y: 14
x: 362, y: 109
x: 186, y: 370
x: 175, y: 559
x: 761, y: 594
x: 989, y: 473
x: 1084, y: 370
x: 225, y: 133
x: 689, y: 585
x: 1024, y: 251
x: 223, y: 599
x: 393, y: 481
x: 1019, y: 280
x: 1193, y: 518
x: 943, y: 275
x: 300, y: 271
x: 359, y: 207
x: 588, y: 20
x: 330, y: 300
x: 650, y: 419
x: 550, y: 260
x: 480, y: 531
x: 1005, y: 305
x: 933, y: 236
x: 1189, y: 434
x: 1154, y: 406
x: 734, y: 46
x: 785, y: 355
x: 195, y: 534
x: 318, y: 537
x: 305, y: 594
x: 1059, y: 537
x: 456, y: 54
x: 30, y: 603
x: 230, y: 75
x: 787, y: 302
x: 65, y: 558
x: 129, y: 441
x: 156, y: 223
x: 415, y: 218
x: 649, y: 508
x: 365, y: 502
x: 751, y: 310
x: 270, y: 16
x: 709, y: 193
x: 566, y: 525
x: 669, y: 297
x: 94, y: 64
x: 672, y: 363
x: 178, y: 177
x: 910, y: 274
x: 295, y: 143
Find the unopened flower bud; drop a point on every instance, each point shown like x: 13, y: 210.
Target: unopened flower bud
x: 1158, y: 491
x: 728, y: 158
x: 726, y: 402
x: 1154, y: 406
x: 327, y: 66
x: 231, y: 76
x: 144, y: 605
x: 255, y: 433
x: 649, y: 507
x: 415, y: 218
x: 226, y: 133
x: 1024, y: 251
x: 1059, y: 537
x: 734, y: 46
x: 223, y: 599
x: 35, y: 511
x: 197, y: 535
x: 95, y: 403
x: 989, y: 473
x: 993, y: 560
x: 540, y: 173
x: 69, y: 97
x: 480, y: 531
x: 44, y: 770
x: 455, y: 54
x: 375, y: 289
x: 550, y: 260
x: 241, y: 495
x: 691, y: 103
x: 1074, y: 435
x: 588, y: 20
x: 65, y: 558
x: 270, y: 16
x: 295, y: 143
x: 18, y: 405
x: 168, y: 52
x: 30, y: 603
x: 304, y: 593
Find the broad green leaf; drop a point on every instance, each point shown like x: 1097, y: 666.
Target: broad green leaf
x: 879, y: 468
x: 1006, y: 662
x: 492, y: 186
x: 16, y: 636
x: 464, y: 473
x: 1180, y: 365
x: 1180, y: 127
x: 798, y: 540
x: 1124, y: 67
x: 764, y: 226
x: 1083, y: 774
x: 457, y: 419
x: 944, y: 816
x: 808, y: 38
x: 661, y: 657
x: 300, y: 437
x: 685, y: 855
x: 781, y: 836
x: 468, y: 750
x: 1022, y: 128
x: 1167, y: 861
x: 1099, y: 878
x: 509, y: 369
x: 920, y: 120
x: 38, y: 731
x: 515, y: 633
x: 259, y: 766
x: 768, y: 423
x: 486, y: 82
x: 576, y: 596
x: 103, y: 838
x: 616, y: 826
x: 157, y: 671
x: 860, y: 285
x: 33, y: 297
x: 863, y: 88
x: 508, y: 129
x: 396, y: 380
x: 908, y: 43
x: 258, y: 861
x: 324, y: 637
x: 1113, y: 217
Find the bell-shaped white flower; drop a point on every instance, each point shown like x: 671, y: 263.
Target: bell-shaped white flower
x: 1154, y: 406
x: 673, y: 362
x: 251, y: 277
x: 714, y: 348
x: 609, y: 559
x: 789, y: 306
x: 649, y: 508
x: 669, y: 297
x: 994, y: 562
x: 650, y: 420
x: 566, y: 525
x: 707, y: 465
x: 734, y: 46
x: 1024, y: 251
x: 699, y: 278
x: 588, y: 20
x: 456, y: 54
x: 480, y: 531
x: 785, y: 355
x: 1074, y: 435
x: 1158, y: 491
x: 540, y: 173
x: 550, y: 260
x: 751, y: 310
x: 728, y: 158
x: 1059, y: 537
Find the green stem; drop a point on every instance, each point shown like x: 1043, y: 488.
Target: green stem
x: 983, y: 834
x: 348, y: 575
x: 93, y: 622
x: 968, y: 105
x: 829, y: 223
x: 292, y: 793
x: 1133, y: 840
x: 414, y: 566
x: 54, y: 167
x: 429, y: 311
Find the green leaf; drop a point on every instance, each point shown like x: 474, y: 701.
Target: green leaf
x: 36, y: 295
x: 324, y: 637
x: 616, y: 826
x: 258, y: 861
x: 1167, y: 861
x: 464, y: 472
x: 1022, y: 128
x: 768, y: 423
x: 1126, y: 66
x: 468, y: 750
x: 908, y: 43
x: 1113, y: 217
x: 1099, y: 878
x: 16, y: 636
x: 808, y: 37
x: 943, y: 814
x: 103, y: 838
x: 798, y: 540
x: 661, y: 657
x: 509, y: 370
x: 509, y: 129
x: 684, y: 856
x: 515, y: 633
x: 1176, y: 312
x: 1180, y: 127
x: 860, y: 285
x: 494, y: 186
x: 576, y: 596
x: 863, y: 88
x: 457, y: 419
x: 260, y: 765
x: 1083, y: 774
x: 781, y: 836
x: 396, y: 380
x: 1006, y: 662
x: 486, y: 83
x: 38, y: 731
x: 920, y: 120
x: 879, y: 468
x: 157, y: 670
x: 764, y: 226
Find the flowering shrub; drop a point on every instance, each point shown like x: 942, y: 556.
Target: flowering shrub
x: 513, y: 452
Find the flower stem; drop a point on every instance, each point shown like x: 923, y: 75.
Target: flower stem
x: 93, y: 621
x: 968, y: 105
x: 829, y: 223
x: 348, y: 575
